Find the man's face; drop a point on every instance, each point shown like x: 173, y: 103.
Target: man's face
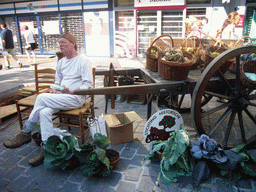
x: 66, y: 45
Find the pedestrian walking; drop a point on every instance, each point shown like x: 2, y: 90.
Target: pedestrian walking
x: 8, y: 45
x: 30, y: 43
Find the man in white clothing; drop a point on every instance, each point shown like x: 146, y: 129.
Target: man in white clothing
x: 73, y: 72
x: 30, y: 43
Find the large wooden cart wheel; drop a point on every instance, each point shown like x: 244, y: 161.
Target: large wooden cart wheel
x: 231, y: 121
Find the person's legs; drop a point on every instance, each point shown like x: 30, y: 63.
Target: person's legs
x: 34, y: 55
x: 6, y: 59
x: 46, y: 104
x: 11, y: 51
x: 28, y: 55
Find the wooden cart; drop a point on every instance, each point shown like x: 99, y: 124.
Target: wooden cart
x: 230, y: 122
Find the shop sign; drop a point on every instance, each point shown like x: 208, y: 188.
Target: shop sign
x: 162, y: 124
x: 7, y: 9
x: 241, y: 22
x: 157, y: 4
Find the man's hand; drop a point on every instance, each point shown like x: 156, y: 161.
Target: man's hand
x: 66, y: 90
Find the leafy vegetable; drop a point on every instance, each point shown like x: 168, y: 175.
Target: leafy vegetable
x: 176, y: 158
x: 209, y: 149
x: 248, y: 165
x: 92, y: 157
x: 58, y: 152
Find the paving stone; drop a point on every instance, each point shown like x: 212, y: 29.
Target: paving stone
x: 69, y: 186
x: 128, y: 153
x: 146, y: 184
x: 143, y: 150
x: 123, y: 164
x: 99, y: 184
x: 11, y: 161
x: 133, y: 145
x: 133, y: 173
x: 3, y: 183
x: 223, y: 186
x: 126, y: 186
x: 138, y: 160
x: 118, y: 147
x: 25, y: 150
x: 76, y: 176
x: 14, y: 173
x: 19, y: 184
x: 152, y: 171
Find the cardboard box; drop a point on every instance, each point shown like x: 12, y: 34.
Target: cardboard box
x: 120, y: 126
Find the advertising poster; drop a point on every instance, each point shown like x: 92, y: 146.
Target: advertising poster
x: 96, y: 33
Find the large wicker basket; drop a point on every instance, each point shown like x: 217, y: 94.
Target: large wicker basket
x: 152, y: 59
x: 248, y: 66
x: 207, y: 57
x: 197, y: 48
x: 176, y: 71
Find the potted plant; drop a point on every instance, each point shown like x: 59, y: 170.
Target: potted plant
x: 61, y: 152
x: 95, y: 158
x: 175, y: 157
x: 37, y: 136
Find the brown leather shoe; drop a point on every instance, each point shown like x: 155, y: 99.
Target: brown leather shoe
x: 18, y: 140
x: 37, y: 160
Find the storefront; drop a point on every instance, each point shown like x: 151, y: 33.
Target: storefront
x: 120, y: 28
x: 49, y: 19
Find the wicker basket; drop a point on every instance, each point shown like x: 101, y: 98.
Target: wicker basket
x: 233, y: 66
x: 152, y: 59
x: 197, y: 49
x: 207, y: 58
x: 250, y: 67
x: 176, y: 71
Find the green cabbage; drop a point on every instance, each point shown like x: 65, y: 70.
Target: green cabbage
x: 58, y: 152
x: 92, y: 157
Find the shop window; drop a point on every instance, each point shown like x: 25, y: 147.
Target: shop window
x: 147, y: 28
x: 172, y: 23
x: 124, y: 34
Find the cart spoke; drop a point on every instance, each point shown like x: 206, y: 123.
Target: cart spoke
x: 218, y: 95
x: 252, y: 104
x: 221, y: 119
x: 252, y: 97
x: 230, y: 123
x: 205, y: 114
x: 181, y: 100
x: 250, y: 115
x: 225, y: 82
x: 240, y: 118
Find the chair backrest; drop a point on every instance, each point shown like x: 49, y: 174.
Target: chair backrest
x: 44, y: 78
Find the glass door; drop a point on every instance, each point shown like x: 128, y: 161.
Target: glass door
x: 124, y: 34
x: 146, y: 27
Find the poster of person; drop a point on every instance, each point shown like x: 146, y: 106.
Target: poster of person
x: 96, y: 33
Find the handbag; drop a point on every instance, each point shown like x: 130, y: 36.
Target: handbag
x: 97, y: 125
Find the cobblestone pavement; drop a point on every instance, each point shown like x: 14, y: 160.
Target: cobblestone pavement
x: 131, y: 174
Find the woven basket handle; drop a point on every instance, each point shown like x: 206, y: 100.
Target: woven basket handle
x: 242, y: 39
x: 185, y: 41
x: 163, y: 35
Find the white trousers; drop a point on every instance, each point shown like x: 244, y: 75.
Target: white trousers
x: 45, y: 106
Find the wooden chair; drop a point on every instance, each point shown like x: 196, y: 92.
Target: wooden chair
x: 43, y: 79
x: 71, y: 118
